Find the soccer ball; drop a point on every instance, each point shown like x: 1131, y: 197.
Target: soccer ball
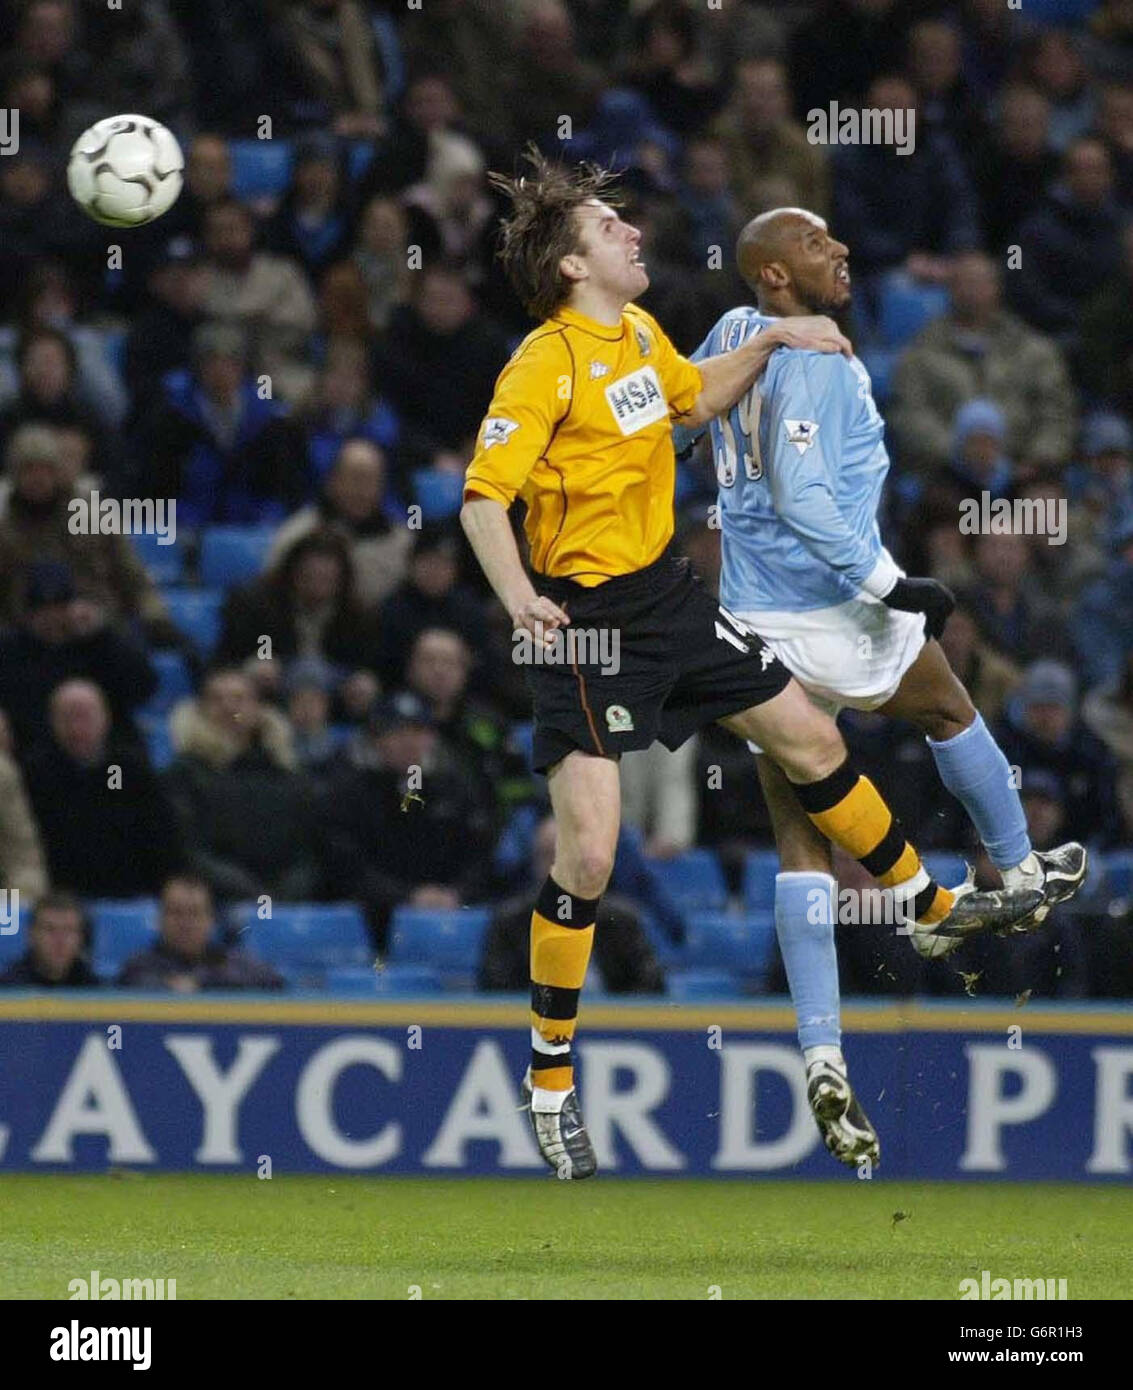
x: 125, y: 171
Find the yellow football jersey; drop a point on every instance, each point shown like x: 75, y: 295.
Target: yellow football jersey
x: 580, y: 427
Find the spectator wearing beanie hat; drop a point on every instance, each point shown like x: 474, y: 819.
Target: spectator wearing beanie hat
x: 1042, y: 732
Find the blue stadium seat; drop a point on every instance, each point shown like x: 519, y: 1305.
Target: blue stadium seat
x: 351, y: 979
x: 701, y: 984
x: 693, y: 879
x: 397, y: 980
x: 121, y: 929
x: 173, y: 680
x: 165, y: 564
x: 760, y: 868
x: 438, y: 492
x: 1119, y: 873
x: 158, y: 739
x: 306, y: 936
x: 906, y: 306
x: 196, y: 613
x: 717, y: 941
x: 449, y: 941
x: 232, y: 554
x: 260, y: 168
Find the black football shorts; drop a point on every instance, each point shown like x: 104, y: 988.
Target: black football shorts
x: 648, y: 655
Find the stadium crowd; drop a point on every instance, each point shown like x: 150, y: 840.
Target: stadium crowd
x: 300, y: 353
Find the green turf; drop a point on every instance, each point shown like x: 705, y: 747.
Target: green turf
x: 355, y: 1237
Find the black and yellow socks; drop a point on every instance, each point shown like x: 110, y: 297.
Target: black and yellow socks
x: 562, y: 934
x: 849, y: 810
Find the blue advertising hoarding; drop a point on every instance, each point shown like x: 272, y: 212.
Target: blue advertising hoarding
x: 317, y: 1085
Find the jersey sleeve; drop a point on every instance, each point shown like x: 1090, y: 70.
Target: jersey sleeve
x: 680, y: 378
x: 804, y: 405
x: 532, y: 395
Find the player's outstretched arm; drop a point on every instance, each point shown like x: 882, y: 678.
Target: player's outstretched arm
x: 490, y: 535
x: 725, y: 378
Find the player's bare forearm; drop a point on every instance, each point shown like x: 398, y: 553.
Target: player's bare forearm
x: 490, y: 535
x: 725, y: 378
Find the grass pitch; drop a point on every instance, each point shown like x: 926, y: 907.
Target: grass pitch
x: 376, y: 1238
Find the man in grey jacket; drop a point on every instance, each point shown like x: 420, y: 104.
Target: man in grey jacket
x: 978, y: 348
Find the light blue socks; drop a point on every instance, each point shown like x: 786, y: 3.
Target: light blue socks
x: 804, y: 923
x: 974, y: 770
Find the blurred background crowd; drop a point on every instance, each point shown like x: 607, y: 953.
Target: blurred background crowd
x: 204, y: 746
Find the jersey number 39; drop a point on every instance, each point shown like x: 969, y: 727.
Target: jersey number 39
x: 729, y: 449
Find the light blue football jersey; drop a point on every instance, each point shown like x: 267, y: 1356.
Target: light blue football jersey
x: 800, y: 463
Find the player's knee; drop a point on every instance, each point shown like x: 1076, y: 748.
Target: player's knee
x: 587, y: 865
x: 818, y: 751
x: 948, y: 716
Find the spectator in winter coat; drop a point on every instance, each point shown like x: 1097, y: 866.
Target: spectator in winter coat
x: 1042, y: 732
x: 306, y: 607
x: 438, y: 362
x: 403, y: 821
x: 243, y: 807
x: 267, y: 296
x: 58, y: 940
x: 217, y: 443
x: 344, y: 408
x: 903, y: 210
x: 762, y: 140
x: 430, y: 596
x: 50, y: 303
x: 48, y: 394
x: 438, y: 672
x: 41, y: 525
x: 61, y: 636
x: 187, y: 956
x: 107, y: 828
x: 160, y: 339
x: 978, y: 348
x: 353, y: 503
x: 310, y: 227
x: 1014, y: 169
x: 1069, y: 245
x: 1009, y: 603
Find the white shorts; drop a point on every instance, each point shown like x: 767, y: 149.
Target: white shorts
x: 854, y: 654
